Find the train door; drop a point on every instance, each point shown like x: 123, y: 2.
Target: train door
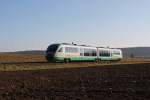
x: 81, y: 53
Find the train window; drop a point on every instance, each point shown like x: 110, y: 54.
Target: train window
x: 52, y: 48
x: 116, y: 52
x: 104, y: 53
x: 71, y: 50
x: 93, y: 52
x: 86, y: 52
x: 108, y: 53
x: 81, y: 52
x: 100, y: 53
x: 89, y: 52
x: 66, y: 49
x: 60, y: 50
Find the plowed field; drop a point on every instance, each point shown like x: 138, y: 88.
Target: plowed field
x: 111, y: 82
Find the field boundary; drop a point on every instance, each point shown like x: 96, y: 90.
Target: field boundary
x: 23, y: 66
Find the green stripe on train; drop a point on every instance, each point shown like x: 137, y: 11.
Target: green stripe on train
x: 76, y: 58
x: 85, y: 58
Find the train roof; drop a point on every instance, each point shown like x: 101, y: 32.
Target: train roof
x: 76, y: 44
x: 72, y: 44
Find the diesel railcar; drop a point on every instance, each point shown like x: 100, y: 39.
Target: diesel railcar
x: 71, y: 52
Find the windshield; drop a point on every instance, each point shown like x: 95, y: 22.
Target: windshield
x: 52, y: 48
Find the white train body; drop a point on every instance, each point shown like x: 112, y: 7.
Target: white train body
x: 70, y: 52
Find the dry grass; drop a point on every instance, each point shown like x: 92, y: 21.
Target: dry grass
x: 41, y: 66
x: 17, y: 62
x: 21, y: 58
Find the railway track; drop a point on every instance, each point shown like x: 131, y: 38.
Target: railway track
x: 44, y: 62
x: 21, y: 66
x: 70, y: 63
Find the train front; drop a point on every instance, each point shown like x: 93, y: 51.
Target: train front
x: 50, y: 52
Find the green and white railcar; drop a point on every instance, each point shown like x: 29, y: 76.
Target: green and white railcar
x: 116, y: 54
x: 108, y: 54
x: 71, y: 52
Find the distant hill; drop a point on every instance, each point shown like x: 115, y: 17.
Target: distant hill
x: 35, y: 52
x: 127, y: 52
x: 136, y: 52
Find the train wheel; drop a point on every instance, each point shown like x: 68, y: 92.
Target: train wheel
x: 99, y: 60
x: 66, y: 60
x: 96, y: 60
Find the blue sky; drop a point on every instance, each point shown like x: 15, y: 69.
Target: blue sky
x: 34, y: 24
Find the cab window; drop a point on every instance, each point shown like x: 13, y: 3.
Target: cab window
x: 60, y: 50
x: 52, y: 48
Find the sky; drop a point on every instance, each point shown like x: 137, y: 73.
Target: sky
x: 35, y: 24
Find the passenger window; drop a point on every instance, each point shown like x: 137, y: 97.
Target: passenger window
x: 60, y: 50
x: 71, y: 50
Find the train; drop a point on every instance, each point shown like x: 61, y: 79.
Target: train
x: 65, y: 52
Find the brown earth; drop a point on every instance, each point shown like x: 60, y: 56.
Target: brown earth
x: 4, y: 58
x: 112, y: 82
x: 21, y: 58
